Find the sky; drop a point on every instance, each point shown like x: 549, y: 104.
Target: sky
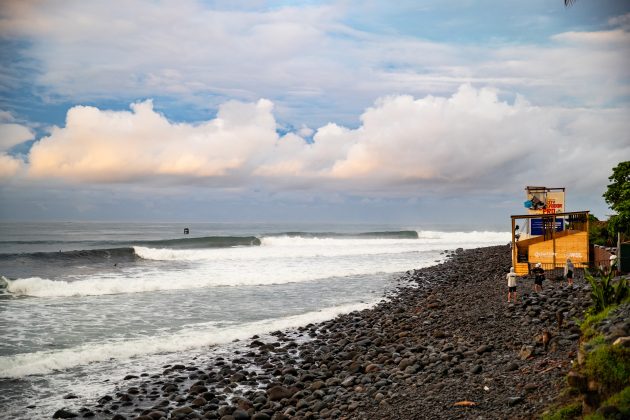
x: 407, y: 112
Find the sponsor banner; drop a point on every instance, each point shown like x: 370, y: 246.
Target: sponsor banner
x: 536, y: 227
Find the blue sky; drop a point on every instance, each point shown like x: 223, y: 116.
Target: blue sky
x: 308, y: 110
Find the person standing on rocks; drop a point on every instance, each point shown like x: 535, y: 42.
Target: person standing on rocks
x: 539, y: 276
x: 511, y: 280
x: 569, y: 269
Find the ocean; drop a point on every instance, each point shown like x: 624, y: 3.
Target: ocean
x: 84, y: 304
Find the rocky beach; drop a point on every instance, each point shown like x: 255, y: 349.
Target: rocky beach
x: 444, y: 344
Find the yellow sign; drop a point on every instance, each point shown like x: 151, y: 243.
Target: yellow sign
x: 541, y: 200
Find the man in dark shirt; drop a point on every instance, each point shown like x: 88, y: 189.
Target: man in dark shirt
x: 539, y: 276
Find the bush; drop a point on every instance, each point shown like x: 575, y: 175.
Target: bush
x: 568, y: 412
x: 621, y: 400
x: 591, y: 320
x: 610, y: 366
x: 604, y: 291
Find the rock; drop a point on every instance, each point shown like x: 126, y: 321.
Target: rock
x: 404, y: 363
x: 199, y: 402
x: 514, y: 400
x: 349, y: 381
x: 277, y: 393
x: 69, y: 397
x: 181, y: 411
x: 512, y: 367
x: 197, y: 389
x: 372, y: 368
x: 526, y: 352
x: 476, y: 369
x: 484, y: 348
x: 316, y: 385
x: 622, y: 341
x: 240, y: 415
x: 128, y: 377
x: 530, y: 387
x: 64, y: 414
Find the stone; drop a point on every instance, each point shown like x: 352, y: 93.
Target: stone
x: 530, y: 387
x: 512, y: 367
x: 476, y: 369
x: 240, y: 415
x: 316, y: 385
x: 181, y: 411
x: 526, y: 352
x: 514, y: 400
x: 622, y: 341
x: 277, y: 393
x: 64, y: 414
x: 349, y: 381
x: 199, y: 402
x: 372, y: 368
x: 484, y: 348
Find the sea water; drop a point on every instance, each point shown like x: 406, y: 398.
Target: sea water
x: 84, y: 304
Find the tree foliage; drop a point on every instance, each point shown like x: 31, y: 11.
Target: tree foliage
x: 618, y: 197
x: 598, y: 232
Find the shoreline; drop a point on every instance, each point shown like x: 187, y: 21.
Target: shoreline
x: 445, y: 334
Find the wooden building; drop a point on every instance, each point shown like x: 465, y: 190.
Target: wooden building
x: 549, y: 234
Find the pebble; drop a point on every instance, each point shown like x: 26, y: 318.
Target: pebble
x: 444, y: 338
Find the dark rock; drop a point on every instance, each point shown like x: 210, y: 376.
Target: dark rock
x: 64, y: 414
x: 240, y: 415
x: 277, y: 393
x: 484, y: 348
x: 512, y: 367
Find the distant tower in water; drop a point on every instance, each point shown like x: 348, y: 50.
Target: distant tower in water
x: 186, y: 231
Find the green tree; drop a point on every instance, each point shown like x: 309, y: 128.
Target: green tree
x: 618, y: 198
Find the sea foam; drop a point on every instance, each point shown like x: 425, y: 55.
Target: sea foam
x: 193, y: 336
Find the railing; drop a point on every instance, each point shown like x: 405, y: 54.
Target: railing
x: 556, y: 271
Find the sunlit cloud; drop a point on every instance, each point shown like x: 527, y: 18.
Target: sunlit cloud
x: 470, y: 140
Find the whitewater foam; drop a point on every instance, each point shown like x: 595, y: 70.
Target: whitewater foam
x: 279, y: 260
x: 193, y: 336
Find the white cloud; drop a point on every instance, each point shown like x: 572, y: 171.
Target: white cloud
x: 468, y: 142
x: 12, y: 134
x: 109, y: 146
x: 294, y: 56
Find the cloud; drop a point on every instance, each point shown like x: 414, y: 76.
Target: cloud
x: 115, y: 146
x: 312, y: 61
x: 468, y: 142
x: 11, y: 134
